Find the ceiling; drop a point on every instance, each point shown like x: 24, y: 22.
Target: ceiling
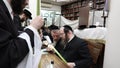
x: 54, y: 2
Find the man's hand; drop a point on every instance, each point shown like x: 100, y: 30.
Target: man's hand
x: 71, y: 64
x: 37, y: 22
x: 45, y: 42
x: 50, y: 48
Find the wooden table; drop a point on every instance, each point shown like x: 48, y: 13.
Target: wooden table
x: 48, y: 57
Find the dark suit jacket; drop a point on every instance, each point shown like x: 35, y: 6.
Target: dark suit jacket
x: 77, y: 51
x: 59, y: 46
x: 18, y: 23
x: 12, y: 48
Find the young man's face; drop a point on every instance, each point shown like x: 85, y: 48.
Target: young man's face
x: 23, y: 17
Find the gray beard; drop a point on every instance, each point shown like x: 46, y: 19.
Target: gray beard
x: 63, y: 43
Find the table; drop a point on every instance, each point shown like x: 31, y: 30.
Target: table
x: 48, y: 57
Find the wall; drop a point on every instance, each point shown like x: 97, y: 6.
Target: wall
x: 33, y: 7
x: 112, y: 49
x: 97, y: 17
x: 53, y: 7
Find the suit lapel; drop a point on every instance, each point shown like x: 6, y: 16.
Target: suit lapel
x: 69, y: 44
x: 5, y: 9
x: 8, y: 20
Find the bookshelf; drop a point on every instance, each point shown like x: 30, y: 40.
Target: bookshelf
x: 100, y: 4
x: 71, y: 11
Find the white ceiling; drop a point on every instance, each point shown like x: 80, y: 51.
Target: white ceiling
x: 55, y: 2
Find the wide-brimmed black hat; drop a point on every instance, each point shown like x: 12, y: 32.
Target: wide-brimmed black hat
x: 27, y: 13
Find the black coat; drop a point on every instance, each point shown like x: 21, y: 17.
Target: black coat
x: 59, y: 46
x: 12, y: 48
x: 17, y: 23
x: 77, y: 51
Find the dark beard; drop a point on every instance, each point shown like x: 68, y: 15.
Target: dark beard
x: 63, y: 42
x: 66, y: 39
x: 22, y: 20
x: 17, y: 6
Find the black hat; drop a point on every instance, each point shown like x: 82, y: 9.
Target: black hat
x: 53, y: 27
x: 27, y: 13
x: 92, y: 26
x: 81, y: 27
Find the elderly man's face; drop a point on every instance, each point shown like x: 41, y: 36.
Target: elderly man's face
x: 55, y: 34
x: 18, y: 5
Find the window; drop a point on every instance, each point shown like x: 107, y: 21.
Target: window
x: 50, y: 16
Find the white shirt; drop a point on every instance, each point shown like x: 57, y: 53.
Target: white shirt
x: 71, y: 38
x: 8, y: 7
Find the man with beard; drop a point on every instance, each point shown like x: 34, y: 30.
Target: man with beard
x: 57, y: 41
x: 19, y: 19
x: 75, y: 50
x: 14, y: 48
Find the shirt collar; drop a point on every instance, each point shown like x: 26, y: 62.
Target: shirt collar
x: 71, y: 38
x: 8, y: 7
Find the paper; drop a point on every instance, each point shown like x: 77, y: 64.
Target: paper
x: 48, y: 39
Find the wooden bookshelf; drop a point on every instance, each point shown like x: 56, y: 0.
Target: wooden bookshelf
x: 71, y: 11
x: 100, y: 4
